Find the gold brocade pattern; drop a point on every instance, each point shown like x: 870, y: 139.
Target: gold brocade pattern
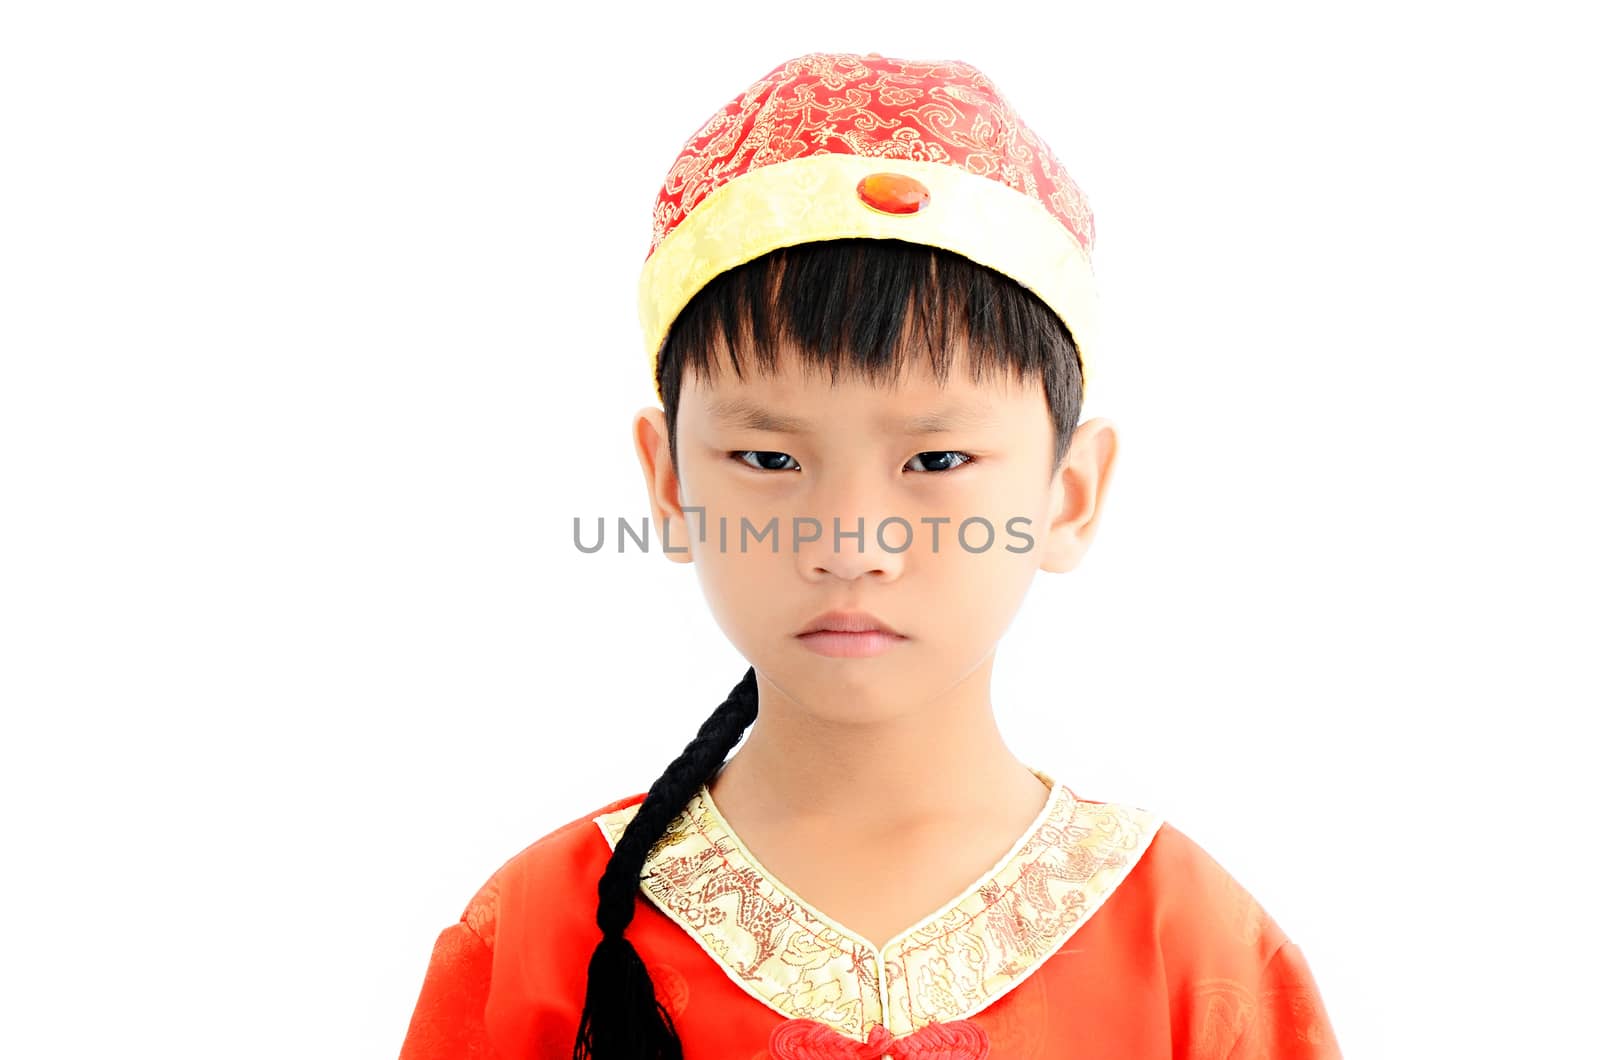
x: 962, y: 959
x: 871, y: 106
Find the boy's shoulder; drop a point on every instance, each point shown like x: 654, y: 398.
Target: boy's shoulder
x: 1194, y: 903
x: 572, y: 854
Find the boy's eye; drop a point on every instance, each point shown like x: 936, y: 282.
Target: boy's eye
x: 769, y: 460
x: 764, y: 457
x: 942, y: 459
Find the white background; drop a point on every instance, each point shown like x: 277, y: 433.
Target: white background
x: 318, y: 331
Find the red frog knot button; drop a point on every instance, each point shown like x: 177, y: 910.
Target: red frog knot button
x: 802, y: 1039
x: 893, y: 193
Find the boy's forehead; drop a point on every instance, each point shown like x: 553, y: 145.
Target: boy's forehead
x: 791, y: 383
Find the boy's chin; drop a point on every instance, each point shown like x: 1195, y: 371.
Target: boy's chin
x: 862, y: 691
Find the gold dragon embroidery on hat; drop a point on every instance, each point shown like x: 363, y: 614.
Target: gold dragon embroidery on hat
x: 838, y: 103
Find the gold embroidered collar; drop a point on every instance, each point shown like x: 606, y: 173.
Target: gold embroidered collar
x: 794, y: 959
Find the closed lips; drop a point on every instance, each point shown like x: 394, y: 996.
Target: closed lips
x: 848, y: 622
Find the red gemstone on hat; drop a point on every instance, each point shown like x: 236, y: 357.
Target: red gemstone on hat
x: 893, y: 192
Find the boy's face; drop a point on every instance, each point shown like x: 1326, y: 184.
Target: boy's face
x: 786, y: 454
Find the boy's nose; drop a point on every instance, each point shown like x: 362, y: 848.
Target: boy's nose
x: 852, y: 546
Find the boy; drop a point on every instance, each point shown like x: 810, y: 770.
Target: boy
x: 870, y: 310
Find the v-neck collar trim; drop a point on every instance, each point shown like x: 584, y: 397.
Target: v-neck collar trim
x: 719, y: 826
x: 980, y: 945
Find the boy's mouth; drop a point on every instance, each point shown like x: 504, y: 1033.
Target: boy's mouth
x: 871, y: 637
x: 849, y: 622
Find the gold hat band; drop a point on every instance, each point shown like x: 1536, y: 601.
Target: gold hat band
x: 814, y: 198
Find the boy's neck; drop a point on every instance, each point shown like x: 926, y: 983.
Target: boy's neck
x: 937, y: 765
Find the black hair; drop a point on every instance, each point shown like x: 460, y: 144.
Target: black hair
x: 858, y: 306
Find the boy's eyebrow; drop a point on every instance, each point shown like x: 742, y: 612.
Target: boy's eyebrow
x: 739, y: 412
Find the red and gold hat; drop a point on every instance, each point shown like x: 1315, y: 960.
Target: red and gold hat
x: 836, y: 145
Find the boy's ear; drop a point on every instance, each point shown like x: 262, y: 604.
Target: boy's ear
x: 1077, y: 494
x: 661, y: 483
